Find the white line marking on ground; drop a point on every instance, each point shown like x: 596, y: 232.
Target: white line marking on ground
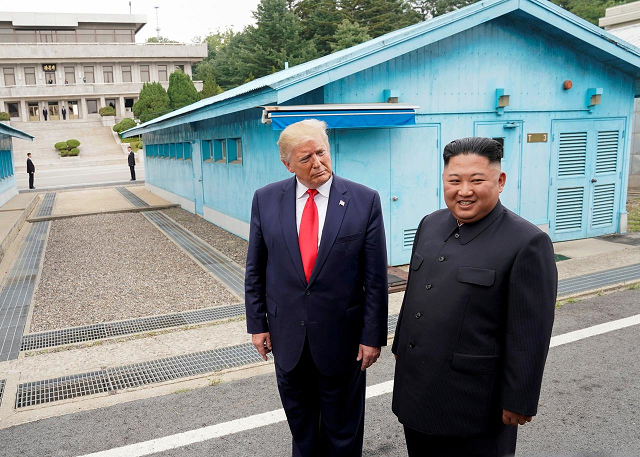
x: 273, y: 417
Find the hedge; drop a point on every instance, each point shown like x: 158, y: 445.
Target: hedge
x: 107, y: 111
x: 4, y: 116
x: 124, y: 124
x: 68, y: 148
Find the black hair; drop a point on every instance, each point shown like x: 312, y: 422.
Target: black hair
x: 485, y: 147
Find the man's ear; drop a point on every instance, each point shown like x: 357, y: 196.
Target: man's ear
x: 288, y: 165
x: 502, y: 180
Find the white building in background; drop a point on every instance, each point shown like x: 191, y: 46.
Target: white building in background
x: 81, y: 62
x: 623, y: 21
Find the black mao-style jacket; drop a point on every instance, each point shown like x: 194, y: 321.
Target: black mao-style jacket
x: 474, y: 330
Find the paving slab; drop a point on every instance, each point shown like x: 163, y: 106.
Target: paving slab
x: 576, y: 249
x: 83, y: 201
x: 148, y: 196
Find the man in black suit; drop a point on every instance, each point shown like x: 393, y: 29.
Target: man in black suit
x: 474, y: 330
x: 316, y: 292
x: 45, y: 113
x: 31, y: 169
x: 64, y: 114
x: 132, y: 163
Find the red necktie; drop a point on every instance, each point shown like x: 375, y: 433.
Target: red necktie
x: 308, y: 235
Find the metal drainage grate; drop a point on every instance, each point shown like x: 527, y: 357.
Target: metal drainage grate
x: 38, y: 392
x: 144, y: 324
x: 598, y: 280
x: 17, y: 291
x: 133, y: 198
x: 223, y: 268
x: 47, y: 204
x: 2, y: 384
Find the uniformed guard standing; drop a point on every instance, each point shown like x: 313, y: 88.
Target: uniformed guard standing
x: 475, y: 325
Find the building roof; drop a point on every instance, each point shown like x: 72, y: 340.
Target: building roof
x: 11, y: 131
x: 630, y: 34
x: 620, y: 16
x: 300, y: 79
x: 67, y: 20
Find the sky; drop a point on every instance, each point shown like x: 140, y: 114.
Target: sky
x: 179, y: 20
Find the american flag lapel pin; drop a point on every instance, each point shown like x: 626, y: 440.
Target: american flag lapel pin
x: 341, y: 202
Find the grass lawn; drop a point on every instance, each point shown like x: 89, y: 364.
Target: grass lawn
x: 633, y: 206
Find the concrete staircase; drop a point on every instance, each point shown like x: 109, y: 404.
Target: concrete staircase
x: 97, y: 144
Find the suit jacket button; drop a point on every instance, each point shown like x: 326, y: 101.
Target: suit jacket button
x: 418, y: 315
x: 411, y: 345
x: 441, y: 259
x: 457, y: 235
x: 307, y: 293
x: 428, y: 286
x: 302, y: 323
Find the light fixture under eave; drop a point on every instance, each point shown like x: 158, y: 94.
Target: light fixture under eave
x: 502, y: 101
x: 594, y: 97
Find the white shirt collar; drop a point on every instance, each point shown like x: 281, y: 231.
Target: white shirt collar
x: 323, y: 190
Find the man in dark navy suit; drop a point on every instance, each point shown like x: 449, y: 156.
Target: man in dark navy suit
x: 474, y: 330
x: 316, y: 292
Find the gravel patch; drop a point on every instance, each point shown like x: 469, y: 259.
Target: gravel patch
x: 230, y: 245
x: 117, y: 266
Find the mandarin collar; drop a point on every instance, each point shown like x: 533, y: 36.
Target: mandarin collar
x: 468, y: 231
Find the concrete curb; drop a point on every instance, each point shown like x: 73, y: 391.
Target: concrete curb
x: 139, y: 182
x: 110, y: 211
x: 13, y: 231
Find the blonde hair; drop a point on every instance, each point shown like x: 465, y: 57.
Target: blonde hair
x: 296, y: 134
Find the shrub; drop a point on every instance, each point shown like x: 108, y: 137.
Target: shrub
x: 124, y: 124
x: 74, y: 152
x: 107, y: 111
x: 4, y: 116
x: 64, y: 153
x: 73, y: 143
x: 153, y: 101
x: 61, y: 145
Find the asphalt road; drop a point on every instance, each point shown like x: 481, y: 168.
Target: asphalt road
x: 588, y: 407
x: 79, y: 175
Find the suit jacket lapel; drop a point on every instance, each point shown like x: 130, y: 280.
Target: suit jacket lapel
x: 332, y: 223
x: 289, y: 227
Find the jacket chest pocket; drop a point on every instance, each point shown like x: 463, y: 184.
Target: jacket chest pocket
x: 476, y: 276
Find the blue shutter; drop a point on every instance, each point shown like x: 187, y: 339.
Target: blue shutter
x: 607, y: 152
x: 569, y: 206
x: 603, y: 205
x: 572, y: 155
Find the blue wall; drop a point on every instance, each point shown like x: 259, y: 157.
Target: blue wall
x: 7, y: 175
x: 454, y: 82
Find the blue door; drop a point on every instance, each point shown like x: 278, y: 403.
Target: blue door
x: 585, y: 181
x: 403, y: 165
x: 198, y: 190
x: 509, y: 133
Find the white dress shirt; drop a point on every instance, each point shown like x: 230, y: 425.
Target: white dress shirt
x: 322, y: 201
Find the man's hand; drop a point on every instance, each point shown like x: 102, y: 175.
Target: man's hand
x: 368, y: 355
x: 515, y: 419
x: 262, y: 342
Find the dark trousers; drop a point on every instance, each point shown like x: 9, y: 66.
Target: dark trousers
x: 325, y: 413
x: 31, y: 181
x: 133, y: 172
x: 501, y: 443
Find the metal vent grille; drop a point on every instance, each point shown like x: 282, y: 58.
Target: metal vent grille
x: 607, y: 152
x: 603, y: 205
x: 572, y: 155
x: 47, y: 204
x: 2, y: 384
x: 133, y: 198
x: 38, y: 392
x: 145, y: 324
x: 569, y: 205
x: 594, y: 281
x: 407, y: 238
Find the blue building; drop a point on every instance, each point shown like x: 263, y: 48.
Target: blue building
x: 556, y: 90
x: 8, y: 187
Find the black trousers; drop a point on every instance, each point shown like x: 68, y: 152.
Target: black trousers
x: 31, y: 181
x: 133, y: 172
x: 325, y: 413
x: 501, y: 443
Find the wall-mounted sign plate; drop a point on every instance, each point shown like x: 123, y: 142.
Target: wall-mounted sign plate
x: 537, y: 137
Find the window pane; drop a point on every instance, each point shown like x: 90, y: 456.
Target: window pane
x: 124, y: 36
x: 206, y: 150
x: 69, y: 75
x: 187, y: 151
x: 88, y: 75
x: 108, y: 74
x: 162, y: 72
x: 30, y: 76
x: 126, y: 73
x: 144, y: 73
x: 92, y: 106
x: 25, y: 36
x: 66, y: 36
x: 9, y: 76
x: 105, y: 36
x: 6, y: 36
x: 86, y: 36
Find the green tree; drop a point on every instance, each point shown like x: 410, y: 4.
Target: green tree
x: 349, y: 34
x: 380, y: 16
x: 432, y: 8
x: 155, y: 39
x: 153, y: 101
x: 181, y: 90
x: 274, y: 40
x: 319, y: 20
x: 209, y: 88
